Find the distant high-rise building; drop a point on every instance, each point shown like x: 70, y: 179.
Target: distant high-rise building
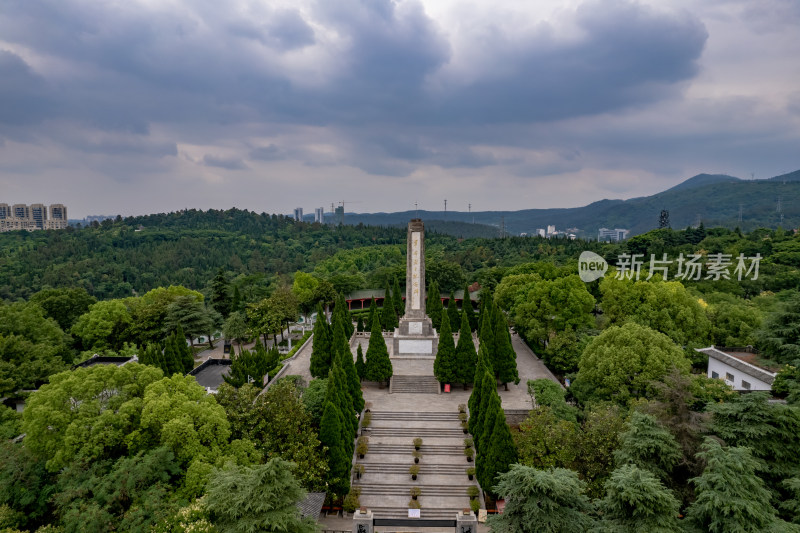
x: 298, y: 214
x: 540, y: 232
x: 551, y: 230
x: 339, y: 214
x: 32, y: 217
x: 612, y: 235
x: 319, y: 214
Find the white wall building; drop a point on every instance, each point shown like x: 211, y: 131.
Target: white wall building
x: 736, y: 367
x: 298, y: 214
x: 319, y: 214
x: 612, y: 235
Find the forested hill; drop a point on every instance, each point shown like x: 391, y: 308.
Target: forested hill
x: 713, y: 199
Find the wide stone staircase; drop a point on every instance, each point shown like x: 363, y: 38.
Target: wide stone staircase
x: 414, y: 385
x: 386, y: 482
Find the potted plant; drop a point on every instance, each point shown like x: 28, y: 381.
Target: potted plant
x: 465, y: 427
x: 413, y: 504
x: 366, y: 420
x: 359, y: 470
x: 470, y: 453
x: 462, y: 408
x: 471, y: 473
x: 417, y: 443
x: 462, y: 417
x: 475, y: 505
x: 351, y: 501
x: 414, y: 471
x: 362, y: 446
x: 415, y: 492
x: 417, y: 456
x: 472, y: 492
x: 468, y: 442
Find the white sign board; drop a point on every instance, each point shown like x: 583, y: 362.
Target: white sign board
x: 415, y: 328
x: 416, y: 346
x: 413, y: 513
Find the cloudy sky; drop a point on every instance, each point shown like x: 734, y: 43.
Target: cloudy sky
x: 143, y: 106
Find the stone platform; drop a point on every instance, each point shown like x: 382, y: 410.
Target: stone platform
x: 415, y: 337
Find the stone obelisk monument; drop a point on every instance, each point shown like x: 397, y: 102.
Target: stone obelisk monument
x: 415, y: 336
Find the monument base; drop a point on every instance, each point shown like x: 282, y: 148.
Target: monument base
x: 415, y: 337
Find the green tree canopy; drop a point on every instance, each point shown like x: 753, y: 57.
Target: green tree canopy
x: 103, y: 326
x: 466, y: 357
x: 550, y: 501
x: 665, y: 306
x: 546, y: 307
x: 621, y: 362
x: 257, y: 498
x: 64, y: 305
x: 780, y: 335
x: 321, y: 348
x: 637, y: 502
x: 379, y: 366
x: 729, y: 494
x: 649, y: 446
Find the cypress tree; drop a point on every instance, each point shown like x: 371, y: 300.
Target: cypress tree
x: 220, y: 294
x: 184, y: 351
x: 500, y: 452
x: 339, y: 395
x: 144, y: 356
x: 373, y: 309
x: 361, y: 367
x: 360, y: 324
x: 452, y: 311
x: 330, y: 435
x: 481, y: 441
x: 485, y: 310
x: 321, y: 346
x: 379, y: 366
x: 172, y: 363
x: 340, y: 346
x: 397, y: 296
x: 475, y: 398
x: 466, y: 307
x: 345, y: 358
x: 388, y: 314
x: 505, y: 358
x: 488, y: 391
x: 435, y: 309
x: 486, y: 338
x: 344, y: 314
x: 445, y: 365
x: 236, y: 302
x: 466, y: 358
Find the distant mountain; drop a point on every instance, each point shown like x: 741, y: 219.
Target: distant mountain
x: 703, y: 179
x: 714, y: 199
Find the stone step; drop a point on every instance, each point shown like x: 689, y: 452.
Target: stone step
x: 430, y: 432
x: 402, y: 512
x: 430, y: 491
x: 425, y: 469
x: 406, y: 449
x: 415, y: 385
x: 422, y: 416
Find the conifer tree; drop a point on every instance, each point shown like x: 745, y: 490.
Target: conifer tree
x: 379, y: 366
x: 220, y: 294
x: 172, y: 363
x: 466, y: 307
x: 488, y: 390
x: 388, y: 314
x: 729, y: 494
x: 483, y: 368
x: 338, y: 394
x: 505, y: 360
x: 330, y: 435
x: 321, y: 346
x: 373, y: 312
x: 237, y: 304
x: 452, y: 311
x: 345, y: 358
x: 361, y: 366
x: 184, y: 351
x: 466, y: 358
x: 360, y: 324
x: 481, y: 440
x: 344, y: 314
x: 484, y: 309
x: 636, y: 500
x: 500, y: 451
x: 397, y: 296
x: 434, y: 307
x: 486, y: 338
x: 445, y: 366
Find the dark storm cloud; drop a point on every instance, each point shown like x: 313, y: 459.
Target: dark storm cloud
x: 381, y: 79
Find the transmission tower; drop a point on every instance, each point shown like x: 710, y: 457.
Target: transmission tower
x: 663, y: 219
